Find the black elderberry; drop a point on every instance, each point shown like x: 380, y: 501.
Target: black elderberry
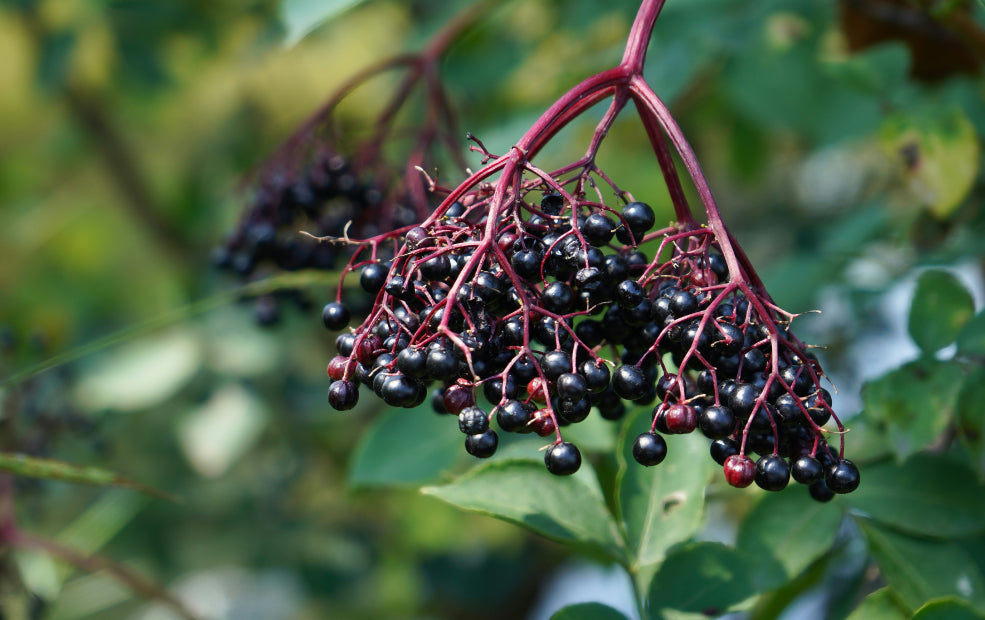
x: 772, y: 473
x: 598, y: 229
x: 412, y: 362
x: 743, y: 399
x: 587, y: 276
x: 438, y: 401
x: 441, y: 364
x: 596, y: 375
x: 807, y: 470
x: 639, y: 315
x: 524, y: 370
x: 615, y: 268
x: 417, y: 237
x: 842, y: 477
x: 571, y: 386
x: 399, y: 391
x: 551, y: 204
x: 526, y: 263
x: 574, y: 409
x: 343, y: 395
x: 629, y: 382
x: 589, y: 331
x: 436, y: 268
x: 557, y: 297
x: 683, y: 303
x: 513, y: 332
x: 820, y: 491
x: 482, y: 445
x: 473, y: 421
x: 638, y: 216
x: 335, y: 316
x: 495, y: 390
x: 514, y: 416
x: 798, y: 378
x: 562, y: 459
x: 727, y: 339
x: 716, y: 421
x: 649, y: 449
x: 373, y: 277
x: 721, y: 449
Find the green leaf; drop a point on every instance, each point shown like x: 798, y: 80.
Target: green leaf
x: 883, y: 604
x: 971, y: 339
x: 971, y: 419
x: 938, y: 151
x: 947, y: 609
x: 928, y: 495
x: 662, y: 505
x: 941, y: 307
x: 921, y: 570
x: 703, y: 577
x: 566, y: 509
x: 785, y: 532
x: 406, y: 448
x: 588, y: 611
x: 302, y: 16
x: 915, y: 402
x: 48, y: 469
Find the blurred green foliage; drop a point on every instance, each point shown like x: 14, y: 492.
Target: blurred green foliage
x: 126, y: 129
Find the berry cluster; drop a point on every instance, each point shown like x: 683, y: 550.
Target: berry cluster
x: 326, y: 197
x: 546, y: 301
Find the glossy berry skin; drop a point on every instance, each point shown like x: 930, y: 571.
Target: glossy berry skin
x: 571, y: 386
x: 629, y: 382
x: 721, y: 449
x: 629, y: 293
x: 482, y: 445
x: 562, y: 459
x: 336, y: 367
x: 574, y: 410
x: 842, y: 477
x: 373, y: 277
x: 399, y: 391
x: 537, y: 390
x: 544, y: 424
x: 514, y: 416
x: 649, y: 449
x: 335, y: 316
x: 820, y: 492
x: 807, y: 470
x: 557, y: 298
x: 639, y: 217
x: 681, y: 419
x: 772, y: 473
x: 412, y: 362
x: 555, y: 363
x: 740, y: 471
x: 473, y: 421
x: 597, y: 377
x: 716, y: 422
x: 457, y: 398
x: 343, y: 395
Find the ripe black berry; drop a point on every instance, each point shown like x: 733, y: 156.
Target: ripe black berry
x: 649, y: 449
x: 598, y: 229
x: 639, y: 217
x: 574, y: 410
x: 562, y: 459
x: 343, y: 395
x: 557, y: 297
x: 482, y: 445
x: 772, y: 473
x: 629, y: 382
x: 514, y: 416
x: 597, y: 376
x: 373, y: 277
x: 399, y: 391
x: 721, y: 449
x: 820, y: 491
x: 842, y: 477
x: 807, y: 470
x: 412, y: 362
x: 335, y: 316
x: 571, y: 386
x: 716, y: 422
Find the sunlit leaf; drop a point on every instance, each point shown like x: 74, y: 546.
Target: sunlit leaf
x: 588, y: 611
x: 302, y: 16
x: 883, y: 604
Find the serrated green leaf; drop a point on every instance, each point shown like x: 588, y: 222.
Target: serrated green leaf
x: 588, y: 611
x: 950, y: 608
x: 406, y: 447
x: 971, y: 338
x: 920, y: 570
x: 941, y: 307
x: 785, y: 532
x: 565, y: 509
x: 915, y: 402
x: 703, y: 577
x: 883, y: 604
x: 660, y: 506
x: 928, y: 495
x: 49, y: 469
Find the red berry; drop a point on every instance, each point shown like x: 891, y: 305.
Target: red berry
x: 740, y: 470
x: 681, y: 419
x: 543, y: 424
x: 537, y: 389
x: 367, y: 348
x: 458, y: 398
x: 336, y: 367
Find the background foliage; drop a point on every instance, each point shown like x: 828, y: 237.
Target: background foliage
x: 853, y: 178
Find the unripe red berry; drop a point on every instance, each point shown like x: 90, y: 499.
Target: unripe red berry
x: 740, y: 470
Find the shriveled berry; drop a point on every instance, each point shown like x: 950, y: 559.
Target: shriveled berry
x: 562, y: 459
x: 740, y: 471
x: 473, y: 421
x: 482, y: 445
x: 772, y: 473
x: 649, y: 449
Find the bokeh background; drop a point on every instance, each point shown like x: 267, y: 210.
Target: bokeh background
x: 842, y: 141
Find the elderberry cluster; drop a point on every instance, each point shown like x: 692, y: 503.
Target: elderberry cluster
x: 325, y: 198
x: 552, y: 308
